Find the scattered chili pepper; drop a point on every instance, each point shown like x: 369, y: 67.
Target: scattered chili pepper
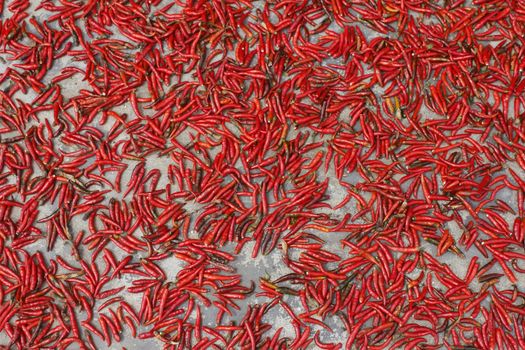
x: 165, y: 141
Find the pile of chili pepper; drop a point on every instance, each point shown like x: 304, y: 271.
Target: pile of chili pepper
x: 371, y: 153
